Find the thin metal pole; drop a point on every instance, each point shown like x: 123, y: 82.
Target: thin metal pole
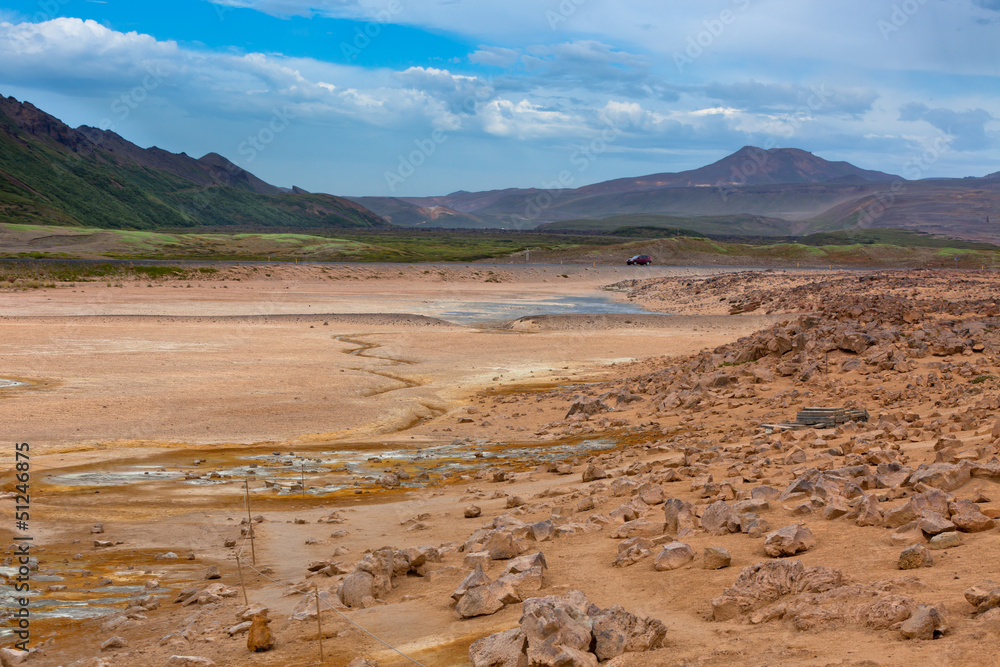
x: 253, y: 551
x: 239, y: 567
x: 319, y: 623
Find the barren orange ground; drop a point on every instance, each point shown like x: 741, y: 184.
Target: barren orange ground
x: 362, y: 359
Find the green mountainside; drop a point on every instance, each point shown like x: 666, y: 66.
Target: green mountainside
x: 56, y: 175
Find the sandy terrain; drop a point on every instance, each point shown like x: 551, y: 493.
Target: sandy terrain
x: 397, y: 418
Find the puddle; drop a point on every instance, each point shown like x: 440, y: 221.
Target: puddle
x: 478, y: 312
x: 325, y: 471
x: 116, y: 478
x: 4, y: 383
x: 77, y: 601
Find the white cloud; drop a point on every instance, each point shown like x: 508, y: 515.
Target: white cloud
x: 70, y: 53
x: 524, y: 120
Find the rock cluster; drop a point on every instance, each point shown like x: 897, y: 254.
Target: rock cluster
x: 818, y: 597
x: 373, y: 577
x: 567, y: 630
x: 478, y: 595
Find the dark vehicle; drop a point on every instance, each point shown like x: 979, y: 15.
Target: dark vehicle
x: 642, y: 260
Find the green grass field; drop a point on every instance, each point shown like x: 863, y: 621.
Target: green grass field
x: 864, y: 248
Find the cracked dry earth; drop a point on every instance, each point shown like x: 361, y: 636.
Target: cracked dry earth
x: 631, y: 510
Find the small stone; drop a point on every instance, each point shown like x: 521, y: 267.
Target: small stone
x: 716, y: 558
x: 504, y: 649
x: 477, y: 558
x: 717, y: 518
x: 212, y: 573
x: 946, y: 541
x: 593, y: 473
x: 673, y: 556
x: 968, y: 518
x: 479, y: 601
x: 984, y: 596
x: 188, y: 661
x: 472, y: 512
x: 926, y: 622
x: 363, y: 662
x: 114, y: 642
x: 789, y: 541
x: 914, y: 557
x: 933, y: 523
x: 260, y: 638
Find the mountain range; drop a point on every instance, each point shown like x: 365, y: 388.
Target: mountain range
x: 753, y: 192
x: 51, y: 173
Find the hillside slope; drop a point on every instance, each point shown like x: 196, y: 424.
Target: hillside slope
x: 51, y: 173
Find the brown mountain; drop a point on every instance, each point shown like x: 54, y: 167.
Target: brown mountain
x: 749, y: 166
x: 777, y: 192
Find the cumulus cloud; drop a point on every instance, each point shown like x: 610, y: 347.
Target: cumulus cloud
x: 524, y: 120
x: 463, y: 94
x: 967, y: 127
x: 66, y: 54
x: 82, y: 53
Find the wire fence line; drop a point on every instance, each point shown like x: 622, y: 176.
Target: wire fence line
x: 246, y: 538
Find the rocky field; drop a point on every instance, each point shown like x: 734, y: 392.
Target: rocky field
x: 691, y: 518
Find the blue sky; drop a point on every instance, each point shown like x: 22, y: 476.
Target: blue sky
x: 421, y: 97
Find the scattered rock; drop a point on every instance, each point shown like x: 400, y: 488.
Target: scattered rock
x: 914, y: 557
x: 673, y: 556
x: 260, y: 638
x: 567, y: 630
x: 504, y: 649
x: 789, y: 541
x: 112, y: 643
x: 720, y: 519
x: 363, y: 662
x: 945, y: 541
x: 188, y: 661
x: 716, y: 558
x: 925, y: 623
